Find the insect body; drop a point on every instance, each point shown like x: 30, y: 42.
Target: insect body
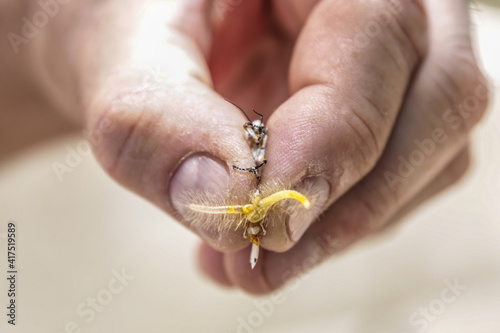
x: 257, y: 139
x: 255, y: 212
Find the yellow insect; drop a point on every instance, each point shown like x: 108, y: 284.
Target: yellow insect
x: 253, y: 215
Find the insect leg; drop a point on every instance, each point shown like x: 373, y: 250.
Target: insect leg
x: 259, y: 149
x: 251, y: 133
x: 252, y: 169
x: 263, y: 229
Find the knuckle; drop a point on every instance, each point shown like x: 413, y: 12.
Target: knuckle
x: 458, y: 168
x: 406, y: 22
x: 476, y: 98
x: 369, y: 210
x: 367, y: 136
x: 121, y: 129
x: 399, y: 26
x: 466, y: 91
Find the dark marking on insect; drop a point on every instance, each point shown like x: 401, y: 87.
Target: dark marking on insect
x: 252, y: 169
x: 257, y: 139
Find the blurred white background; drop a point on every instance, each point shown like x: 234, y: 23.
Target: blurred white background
x: 76, y: 235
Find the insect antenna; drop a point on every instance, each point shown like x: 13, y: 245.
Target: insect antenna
x: 261, y: 116
x: 239, y: 109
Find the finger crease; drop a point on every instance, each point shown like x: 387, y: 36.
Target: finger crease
x: 126, y: 143
x: 404, y: 38
x: 393, y: 57
x: 369, y: 128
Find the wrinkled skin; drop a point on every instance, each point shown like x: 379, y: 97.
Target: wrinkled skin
x: 346, y: 87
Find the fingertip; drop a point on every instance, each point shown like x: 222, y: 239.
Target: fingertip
x: 300, y: 220
x: 203, y: 181
x: 280, y: 268
x: 291, y: 267
x: 197, y: 176
x: 211, y: 263
x: 291, y: 220
x: 241, y: 274
x: 273, y: 270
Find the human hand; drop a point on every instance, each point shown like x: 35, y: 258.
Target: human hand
x: 355, y: 84
x: 383, y: 97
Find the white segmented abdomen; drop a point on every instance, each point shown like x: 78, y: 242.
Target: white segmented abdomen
x: 254, y: 255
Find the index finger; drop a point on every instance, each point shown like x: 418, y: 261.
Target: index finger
x: 351, y: 68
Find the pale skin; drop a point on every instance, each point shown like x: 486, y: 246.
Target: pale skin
x: 345, y: 87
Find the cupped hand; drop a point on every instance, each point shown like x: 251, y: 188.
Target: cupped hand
x: 368, y: 103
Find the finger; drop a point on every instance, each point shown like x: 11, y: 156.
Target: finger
x: 292, y: 15
x: 454, y: 172
x: 212, y: 261
x: 345, y: 98
x: 448, y: 98
x: 161, y: 130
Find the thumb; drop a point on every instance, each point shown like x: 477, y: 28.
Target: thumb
x: 165, y: 132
